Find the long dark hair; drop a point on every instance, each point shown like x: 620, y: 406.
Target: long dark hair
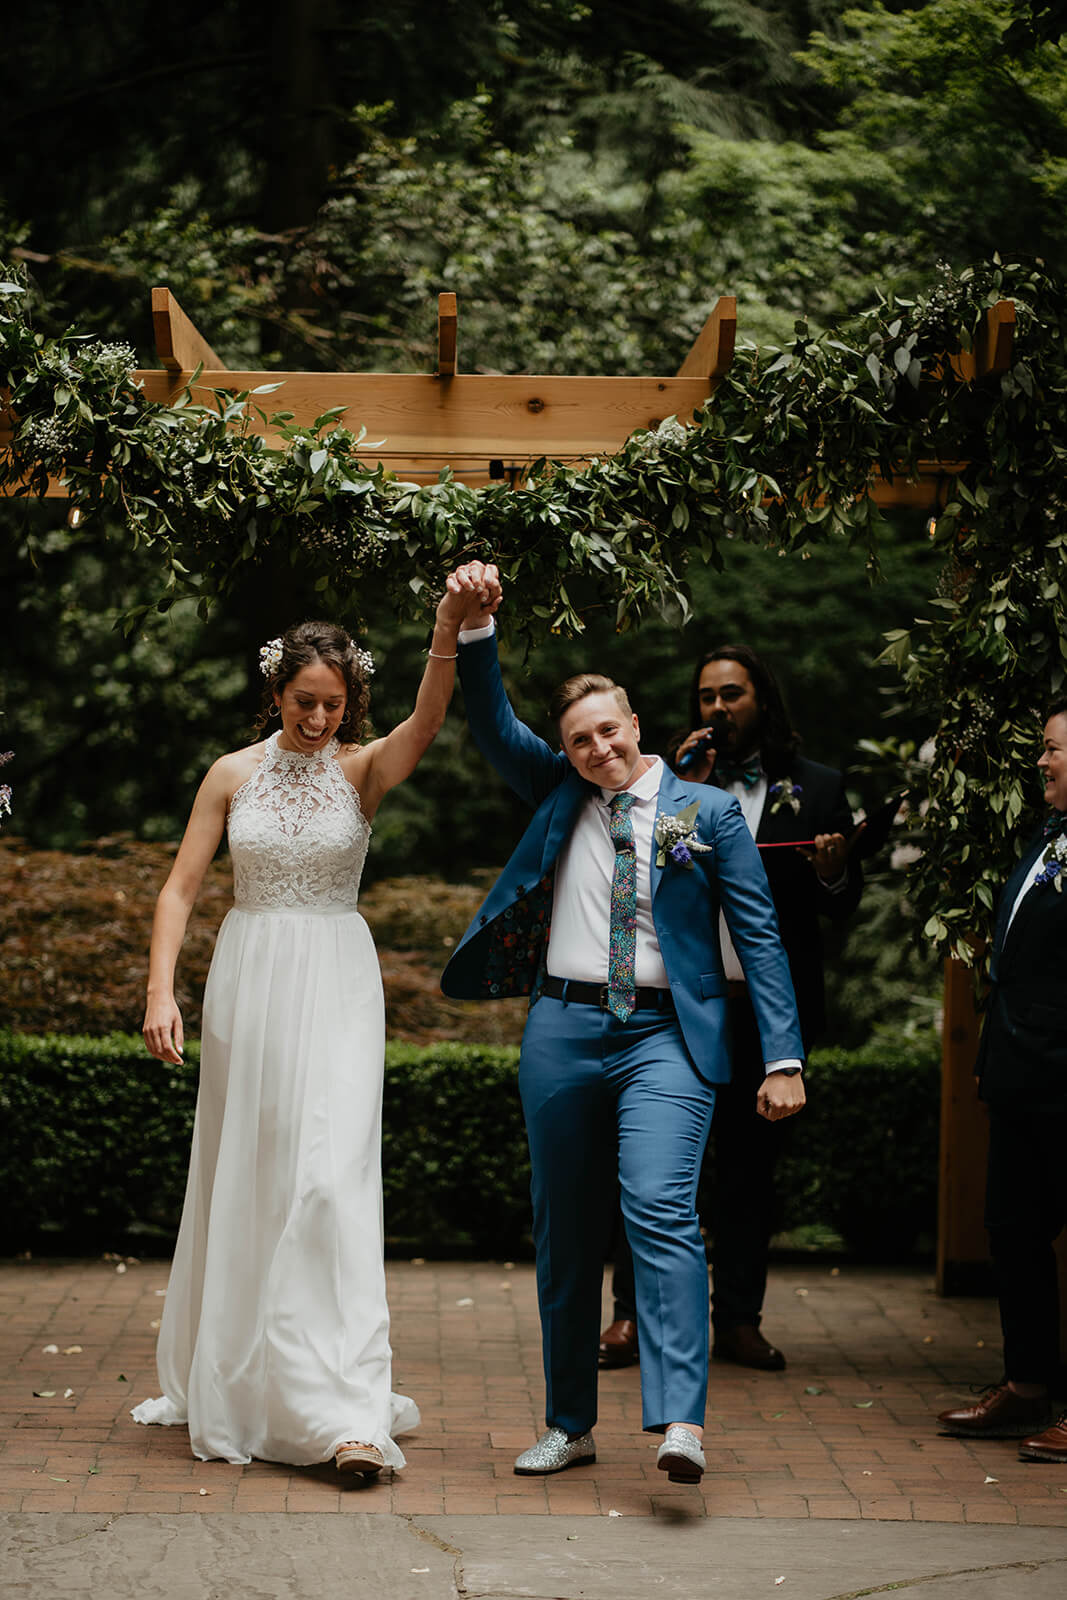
x: 779, y: 742
x: 305, y: 644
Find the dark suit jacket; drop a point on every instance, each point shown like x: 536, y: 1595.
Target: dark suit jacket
x: 1022, y: 1056
x: 501, y: 951
x: 799, y: 896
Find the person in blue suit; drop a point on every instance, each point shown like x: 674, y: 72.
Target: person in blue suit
x: 607, y: 915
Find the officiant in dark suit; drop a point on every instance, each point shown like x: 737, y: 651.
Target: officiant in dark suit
x: 1022, y: 1077
x: 740, y: 739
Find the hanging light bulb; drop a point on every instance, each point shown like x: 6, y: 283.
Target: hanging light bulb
x: 75, y: 517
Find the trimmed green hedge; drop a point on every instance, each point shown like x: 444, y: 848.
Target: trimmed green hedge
x: 94, y: 1141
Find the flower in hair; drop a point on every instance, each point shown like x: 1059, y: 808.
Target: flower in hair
x: 366, y: 662
x: 270, y: 657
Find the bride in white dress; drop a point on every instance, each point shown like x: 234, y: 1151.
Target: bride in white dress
x: 274, y: 1340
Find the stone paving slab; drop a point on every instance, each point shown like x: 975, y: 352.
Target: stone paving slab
x: 845, y: 1434
x: 133, y: 1557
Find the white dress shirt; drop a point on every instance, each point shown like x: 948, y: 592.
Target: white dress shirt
x: 581, y: 904
x: 1027, y: 885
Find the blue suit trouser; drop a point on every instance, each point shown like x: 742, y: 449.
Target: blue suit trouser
x: 600, y: 1095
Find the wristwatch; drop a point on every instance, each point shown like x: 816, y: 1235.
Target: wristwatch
x: 787, y: 1072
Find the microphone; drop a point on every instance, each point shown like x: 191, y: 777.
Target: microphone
x: 713, y: 737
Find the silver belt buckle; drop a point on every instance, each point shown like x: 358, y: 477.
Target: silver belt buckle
x: 605, y: 992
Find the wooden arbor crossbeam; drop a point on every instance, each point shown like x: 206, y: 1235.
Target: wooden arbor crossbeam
x: 493, y: 426
x: 482, y: 426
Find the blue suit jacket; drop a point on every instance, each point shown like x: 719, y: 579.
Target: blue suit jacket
x: 501, y: 952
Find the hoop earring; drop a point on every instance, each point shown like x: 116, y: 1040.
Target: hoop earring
x: 275, y: 711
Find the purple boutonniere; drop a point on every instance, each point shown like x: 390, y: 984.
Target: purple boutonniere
x: 786, y: 793
x: 677, y: 838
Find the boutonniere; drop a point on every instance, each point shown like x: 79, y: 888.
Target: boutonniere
x: 786, y: 793
x: 1053, y: 863
x: 676, y: 837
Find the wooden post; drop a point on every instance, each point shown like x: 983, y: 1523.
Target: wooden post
x: 963, y: 1265
x: 447, y: 322
x: 962, y: 1249
x: 993, y: 343
x: 713, y: 348
x: 179, y: 343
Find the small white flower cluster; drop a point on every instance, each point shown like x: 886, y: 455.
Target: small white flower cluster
x: 982, y: 721
x: 48, y: 436
x: 366, y: 662
x: 5, y: 788
x: 270, y: 657
x: 670, y: 431
x: 118, y: 355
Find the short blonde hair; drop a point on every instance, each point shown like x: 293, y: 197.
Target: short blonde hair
x: 571, y: 690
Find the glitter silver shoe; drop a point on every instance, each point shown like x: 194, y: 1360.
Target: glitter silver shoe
x: 554, y: 1451
x: 680, y: 1456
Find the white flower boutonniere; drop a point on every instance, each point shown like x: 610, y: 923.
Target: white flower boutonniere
x: 676, y: 837
x: 786, y: 793
x: 1054, y: 862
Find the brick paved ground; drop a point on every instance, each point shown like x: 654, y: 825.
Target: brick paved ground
x: 846, y: 1431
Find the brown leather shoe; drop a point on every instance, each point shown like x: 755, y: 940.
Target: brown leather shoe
x: 618, y: 1344
x: 999, y: 1414
x: 1048, y: 1446
x: 745, y: 1345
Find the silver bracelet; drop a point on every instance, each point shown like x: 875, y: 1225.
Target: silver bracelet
x: 434, y: 657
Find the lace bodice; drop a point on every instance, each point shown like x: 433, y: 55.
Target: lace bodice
x: 297, y: 834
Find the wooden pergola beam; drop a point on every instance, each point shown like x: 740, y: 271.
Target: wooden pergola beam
x: 993, y: 344
x: 447, y: 327
x: 713, y: 348
x: 179, y: 343
x: 488, y: 427
x: 472, y: 416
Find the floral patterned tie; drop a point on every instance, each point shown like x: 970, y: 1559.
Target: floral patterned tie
x: 622, y: 930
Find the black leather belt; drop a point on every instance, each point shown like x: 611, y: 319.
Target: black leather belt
x: 596, y: 994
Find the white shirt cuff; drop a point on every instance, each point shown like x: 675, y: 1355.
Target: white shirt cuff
x: 782, y: 1066
x: 472, y: 635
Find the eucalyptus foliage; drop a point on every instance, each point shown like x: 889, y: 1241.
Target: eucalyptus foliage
x: 781, y: 457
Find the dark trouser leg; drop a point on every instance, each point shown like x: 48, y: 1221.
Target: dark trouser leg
x: 1026, y: 1206
x: 622, y: 1278
x: 744, y: 1203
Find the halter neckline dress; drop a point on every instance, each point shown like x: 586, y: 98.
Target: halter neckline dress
x: 274, y: 1340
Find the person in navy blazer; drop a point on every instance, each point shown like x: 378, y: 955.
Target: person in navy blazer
x: 1022, y: 1077
x: 602, y: 1094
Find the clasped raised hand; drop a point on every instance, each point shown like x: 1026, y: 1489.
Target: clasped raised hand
x: 472, y: 594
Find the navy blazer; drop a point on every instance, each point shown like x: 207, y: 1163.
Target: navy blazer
x: 1022, y: 1055
x: 502, y: 951
x: 800, y: 897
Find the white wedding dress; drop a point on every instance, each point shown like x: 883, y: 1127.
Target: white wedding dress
x: 274, y: 1339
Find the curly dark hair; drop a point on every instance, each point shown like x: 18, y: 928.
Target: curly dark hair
x: 305, y: 644
x: 778, y: 741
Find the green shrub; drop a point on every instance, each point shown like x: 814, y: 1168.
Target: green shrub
x: 863, y: 1159
x: 94, y: 1142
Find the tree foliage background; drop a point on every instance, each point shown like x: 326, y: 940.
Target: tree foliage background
x: 588, y: 178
